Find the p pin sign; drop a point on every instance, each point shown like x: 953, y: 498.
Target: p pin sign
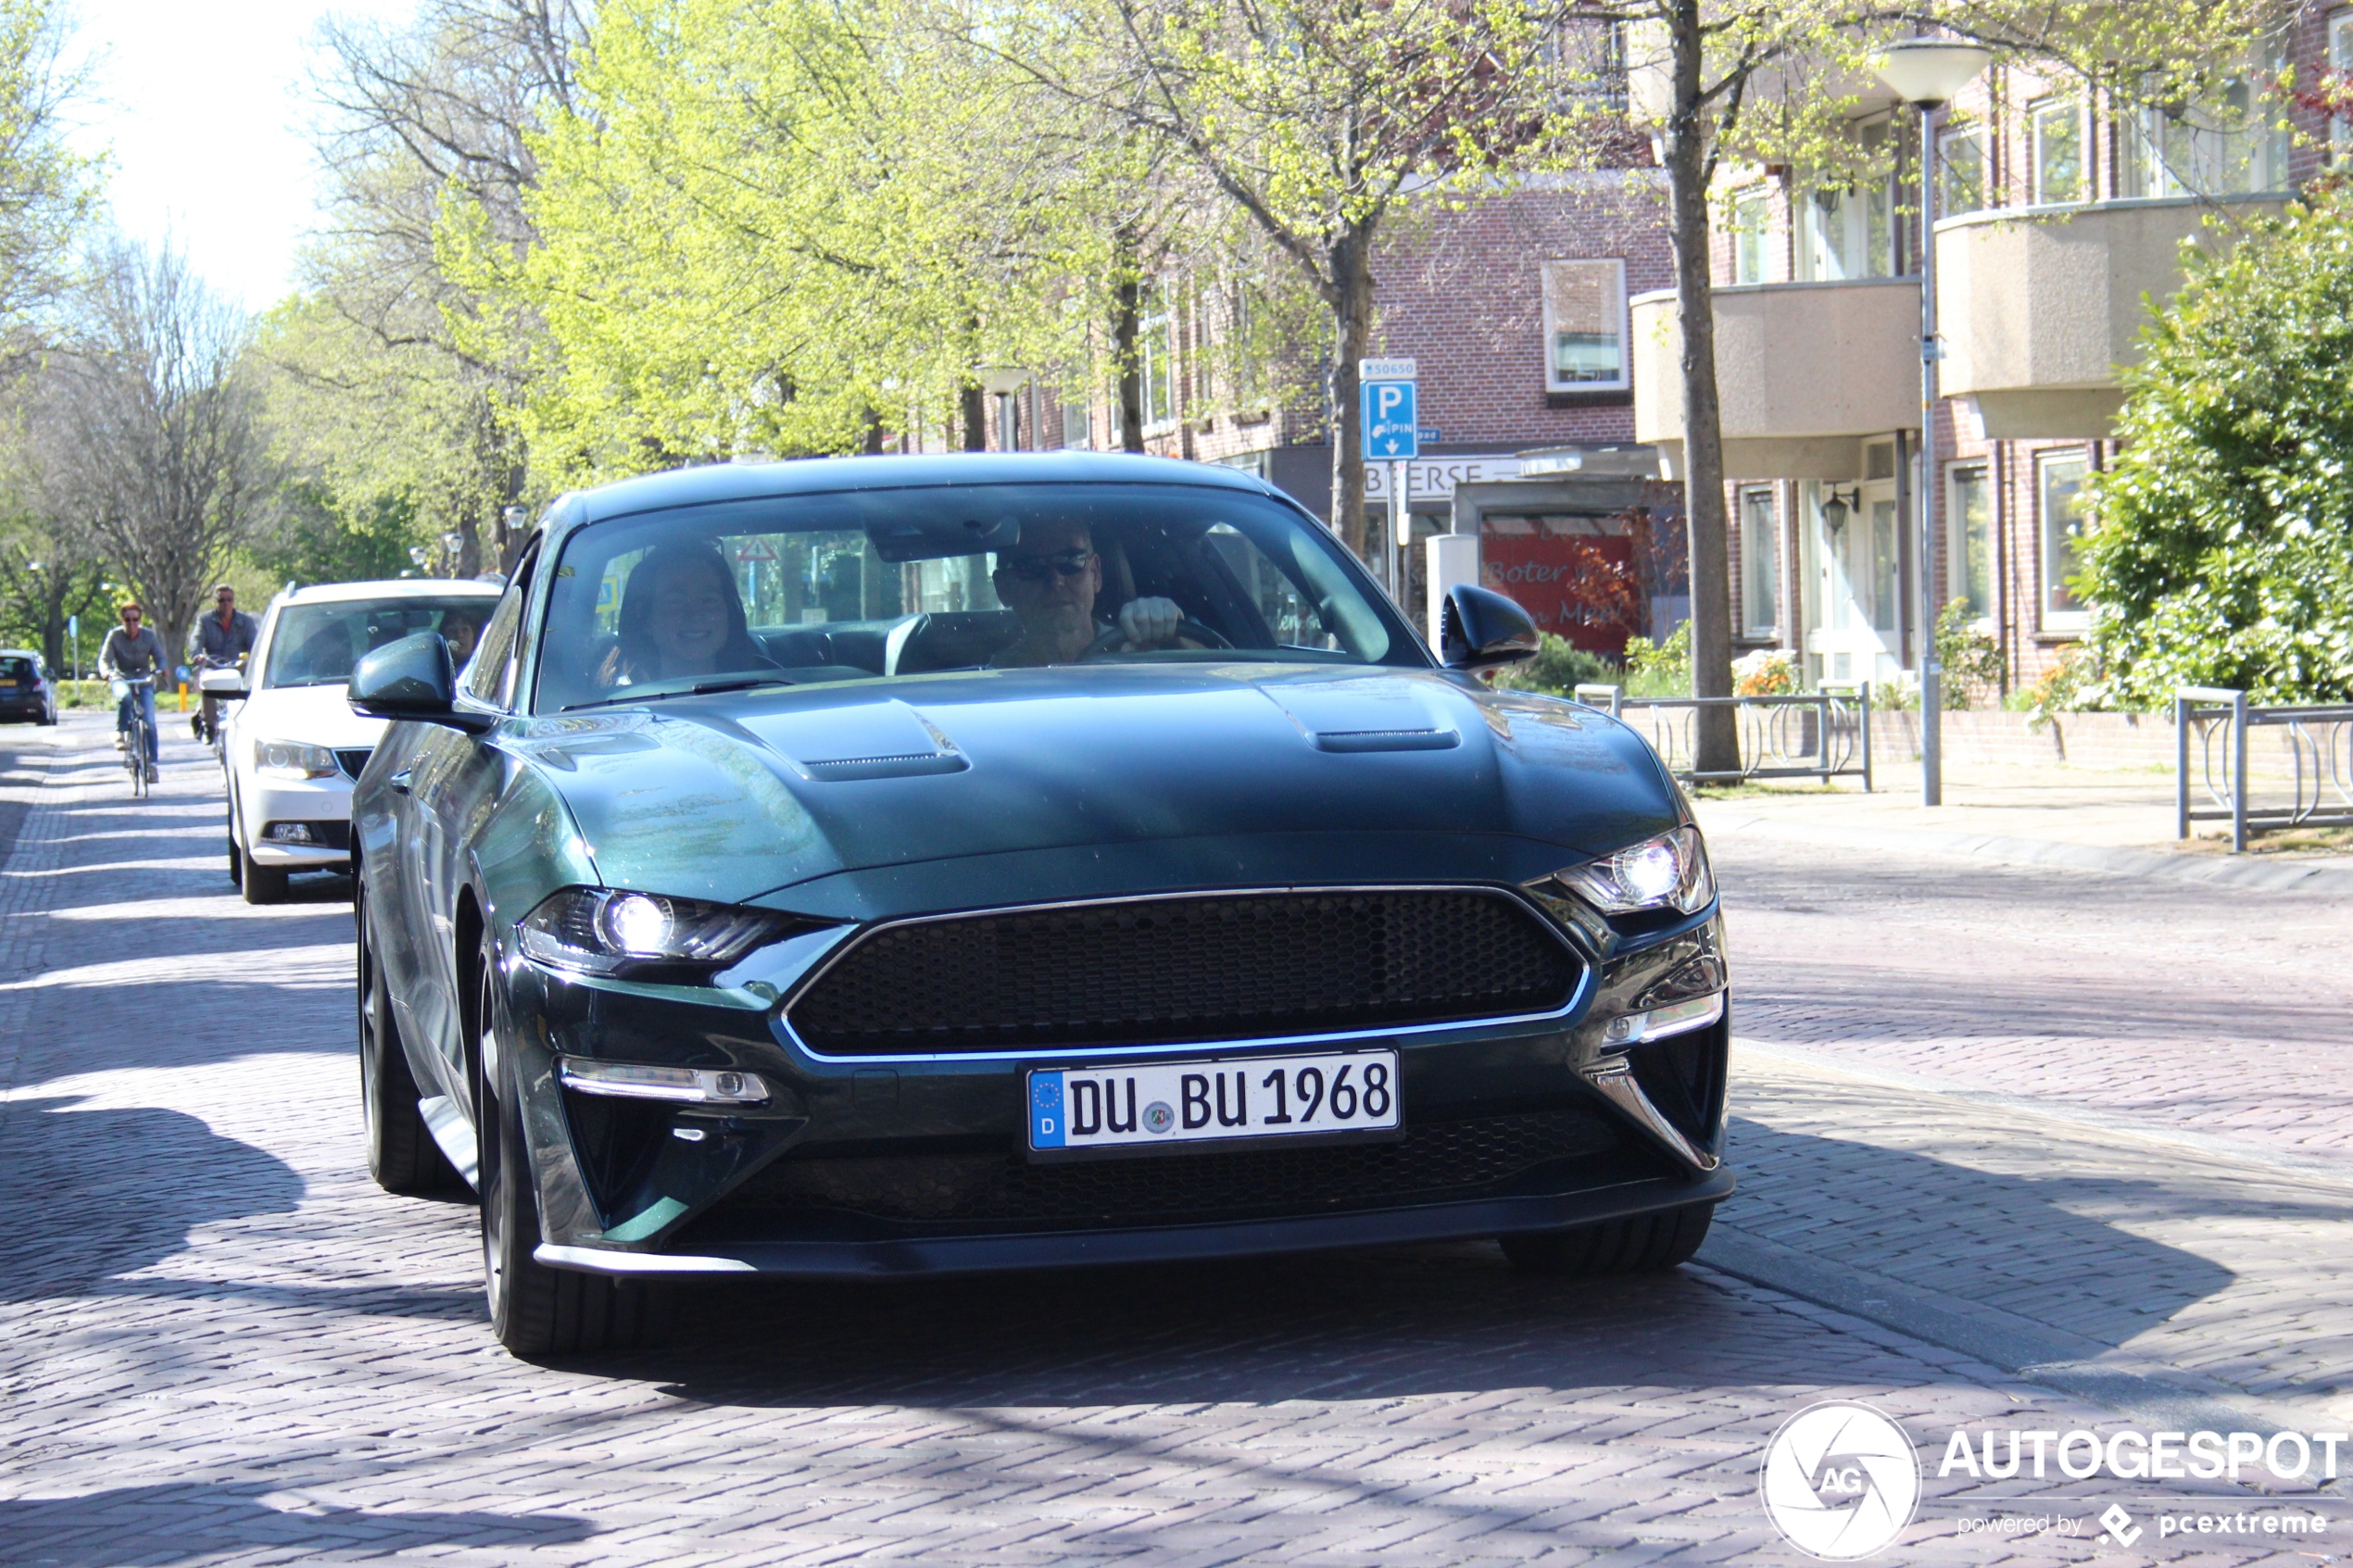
x: 1393, y: 434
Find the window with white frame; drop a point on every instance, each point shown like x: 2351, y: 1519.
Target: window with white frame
x: 1156, y: 356
x: 1760, y: 563
x: 1585, y: 326
x: 1078, y: 432
x: 2230, y: 144
x: 1969, y: 511
x: 2055, y: 128
x: 1961, y: 183
x: 2341, y: 66
x: 1752, y: 225
x: 2061, y: 485
x: 1850, y: 233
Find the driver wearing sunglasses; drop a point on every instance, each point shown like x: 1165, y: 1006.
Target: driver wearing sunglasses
x: 1050, y: 581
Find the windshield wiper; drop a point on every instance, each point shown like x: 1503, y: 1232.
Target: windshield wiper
x: 701, y: 688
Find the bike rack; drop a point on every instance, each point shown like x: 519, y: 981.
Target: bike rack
x: 2319, y: 742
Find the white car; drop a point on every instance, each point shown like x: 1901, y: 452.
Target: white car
x: 293, y: 748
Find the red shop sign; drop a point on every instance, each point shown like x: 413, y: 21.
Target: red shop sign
x: 1580, y: 587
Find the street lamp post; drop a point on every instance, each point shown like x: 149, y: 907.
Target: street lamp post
x: 1925, y: 73
x: 452, y: 543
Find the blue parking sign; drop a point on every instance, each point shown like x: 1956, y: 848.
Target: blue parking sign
x: 1391, y: 432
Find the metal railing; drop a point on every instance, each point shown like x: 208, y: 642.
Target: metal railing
x: 2319, y: 743
x: 1821, y: 735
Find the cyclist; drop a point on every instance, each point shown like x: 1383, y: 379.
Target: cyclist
x: 219, y: 641
x: 133, y: 653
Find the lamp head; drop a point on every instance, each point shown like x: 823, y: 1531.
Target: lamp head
x: 1925, y: 72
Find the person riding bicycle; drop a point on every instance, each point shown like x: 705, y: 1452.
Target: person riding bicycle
x: 220, y: 640
x: 132, y: 652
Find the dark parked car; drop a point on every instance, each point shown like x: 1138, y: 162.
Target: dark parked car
x: 883, y: 866
x: 26, y: 690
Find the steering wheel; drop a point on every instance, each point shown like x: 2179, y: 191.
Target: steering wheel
x: 1207, y: 636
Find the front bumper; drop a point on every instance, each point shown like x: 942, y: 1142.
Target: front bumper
x: 843, y: 1259
x: 869, y: 1168
x: 267, y: 800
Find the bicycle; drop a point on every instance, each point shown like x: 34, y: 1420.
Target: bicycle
x: 134, y: 749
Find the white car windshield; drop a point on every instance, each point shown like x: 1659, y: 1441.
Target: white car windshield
x: 879, y: 584
x: 316, y: 645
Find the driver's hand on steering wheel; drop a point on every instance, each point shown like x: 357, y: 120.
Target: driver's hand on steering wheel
x: 1150, y: 623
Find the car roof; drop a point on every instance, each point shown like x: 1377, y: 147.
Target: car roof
x: 739, y: 482
x: 392, y: 588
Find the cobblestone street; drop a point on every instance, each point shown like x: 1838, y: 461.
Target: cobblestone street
x: 2019, y: 1149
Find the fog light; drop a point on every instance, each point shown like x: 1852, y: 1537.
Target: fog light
x: 288, y: 833
x: 692, y: 1084
x: 1659, y: 1022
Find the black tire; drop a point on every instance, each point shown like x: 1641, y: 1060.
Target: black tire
x: 1639, y: 1245
x: 260, y: 884
x: 536, y: 1310
x: 236, y: 853
x: 402, y: 1155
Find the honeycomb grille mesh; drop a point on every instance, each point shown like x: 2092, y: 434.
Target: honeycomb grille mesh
x: 1184, y: 970
x: 1436, y: 1162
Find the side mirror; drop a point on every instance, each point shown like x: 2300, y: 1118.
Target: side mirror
x: 412, y: 679
x: 1482, y: 630
x: 221, y: 683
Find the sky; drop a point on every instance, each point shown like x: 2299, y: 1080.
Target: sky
x: 203, y: 106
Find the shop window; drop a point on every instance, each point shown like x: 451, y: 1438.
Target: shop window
x: 1760, y: 563
x: 2061, y: 504
x: 2057, y: 127
x: 1969, y: 511
x: 1585, y: 326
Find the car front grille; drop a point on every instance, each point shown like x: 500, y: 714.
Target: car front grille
x: 1187, y: 969
x: 1437, y: 1161
x: 353, y: 760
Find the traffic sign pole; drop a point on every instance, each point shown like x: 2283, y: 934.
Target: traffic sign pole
x: 1390, y: 431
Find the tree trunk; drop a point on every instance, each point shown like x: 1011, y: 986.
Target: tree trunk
x: 1714, y: 733
x: 1126, y: 365
x: 1351, y: 302
x: 972, y: 407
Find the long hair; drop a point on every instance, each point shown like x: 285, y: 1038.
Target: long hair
x: 640, y: 658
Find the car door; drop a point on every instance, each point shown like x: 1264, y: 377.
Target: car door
x: 454, y: 780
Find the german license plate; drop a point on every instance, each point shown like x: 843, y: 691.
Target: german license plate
x: 1161, y: 1103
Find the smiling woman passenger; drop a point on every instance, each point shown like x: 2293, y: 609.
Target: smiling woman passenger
x: 680, y: 616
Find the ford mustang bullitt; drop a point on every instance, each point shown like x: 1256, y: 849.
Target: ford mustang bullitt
x: 889, y: 866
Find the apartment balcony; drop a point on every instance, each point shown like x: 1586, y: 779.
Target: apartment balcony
x: 2040, y: 306
x: 1804, y: 372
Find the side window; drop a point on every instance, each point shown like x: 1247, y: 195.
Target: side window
x: 493, y: 676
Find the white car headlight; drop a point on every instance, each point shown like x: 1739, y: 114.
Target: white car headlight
x: 601, y: 932
x: 1667, y: 873
x: 294, y: 760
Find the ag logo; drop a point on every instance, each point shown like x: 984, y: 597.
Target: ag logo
x: 1840, y: 1480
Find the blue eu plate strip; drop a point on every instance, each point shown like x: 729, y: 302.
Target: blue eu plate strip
x: 1045, y: 1111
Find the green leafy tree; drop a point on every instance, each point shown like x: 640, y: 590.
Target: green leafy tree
x: 2222, y: 552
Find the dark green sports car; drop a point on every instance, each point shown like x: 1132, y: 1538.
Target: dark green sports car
x: 900, y: 865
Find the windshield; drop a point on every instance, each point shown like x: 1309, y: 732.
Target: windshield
x: 877, y: 584
x: 316, y: 645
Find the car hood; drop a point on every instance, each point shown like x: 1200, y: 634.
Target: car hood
x: 733, y: 795
x: 318, y: 715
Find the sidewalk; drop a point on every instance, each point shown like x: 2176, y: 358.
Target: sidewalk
x: 2026, y: 814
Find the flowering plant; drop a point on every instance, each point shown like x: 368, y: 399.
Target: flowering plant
x: 1766, y: 672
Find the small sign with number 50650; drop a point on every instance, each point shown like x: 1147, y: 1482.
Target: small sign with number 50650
x: 1172, y: 1102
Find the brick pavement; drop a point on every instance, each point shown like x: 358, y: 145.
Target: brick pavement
x: 218, y: 1343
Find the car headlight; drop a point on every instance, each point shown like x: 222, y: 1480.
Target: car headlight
x: 603, y: 932
x: 294, y: 759
x: 1667, y: 873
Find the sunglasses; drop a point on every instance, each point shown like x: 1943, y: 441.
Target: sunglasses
x: 1037, y: 569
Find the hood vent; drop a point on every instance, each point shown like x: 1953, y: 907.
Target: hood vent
x: 1387, y: 740
x: 906, y: 765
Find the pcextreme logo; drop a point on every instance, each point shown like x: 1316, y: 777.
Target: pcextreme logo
x: 1840, y: 1480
